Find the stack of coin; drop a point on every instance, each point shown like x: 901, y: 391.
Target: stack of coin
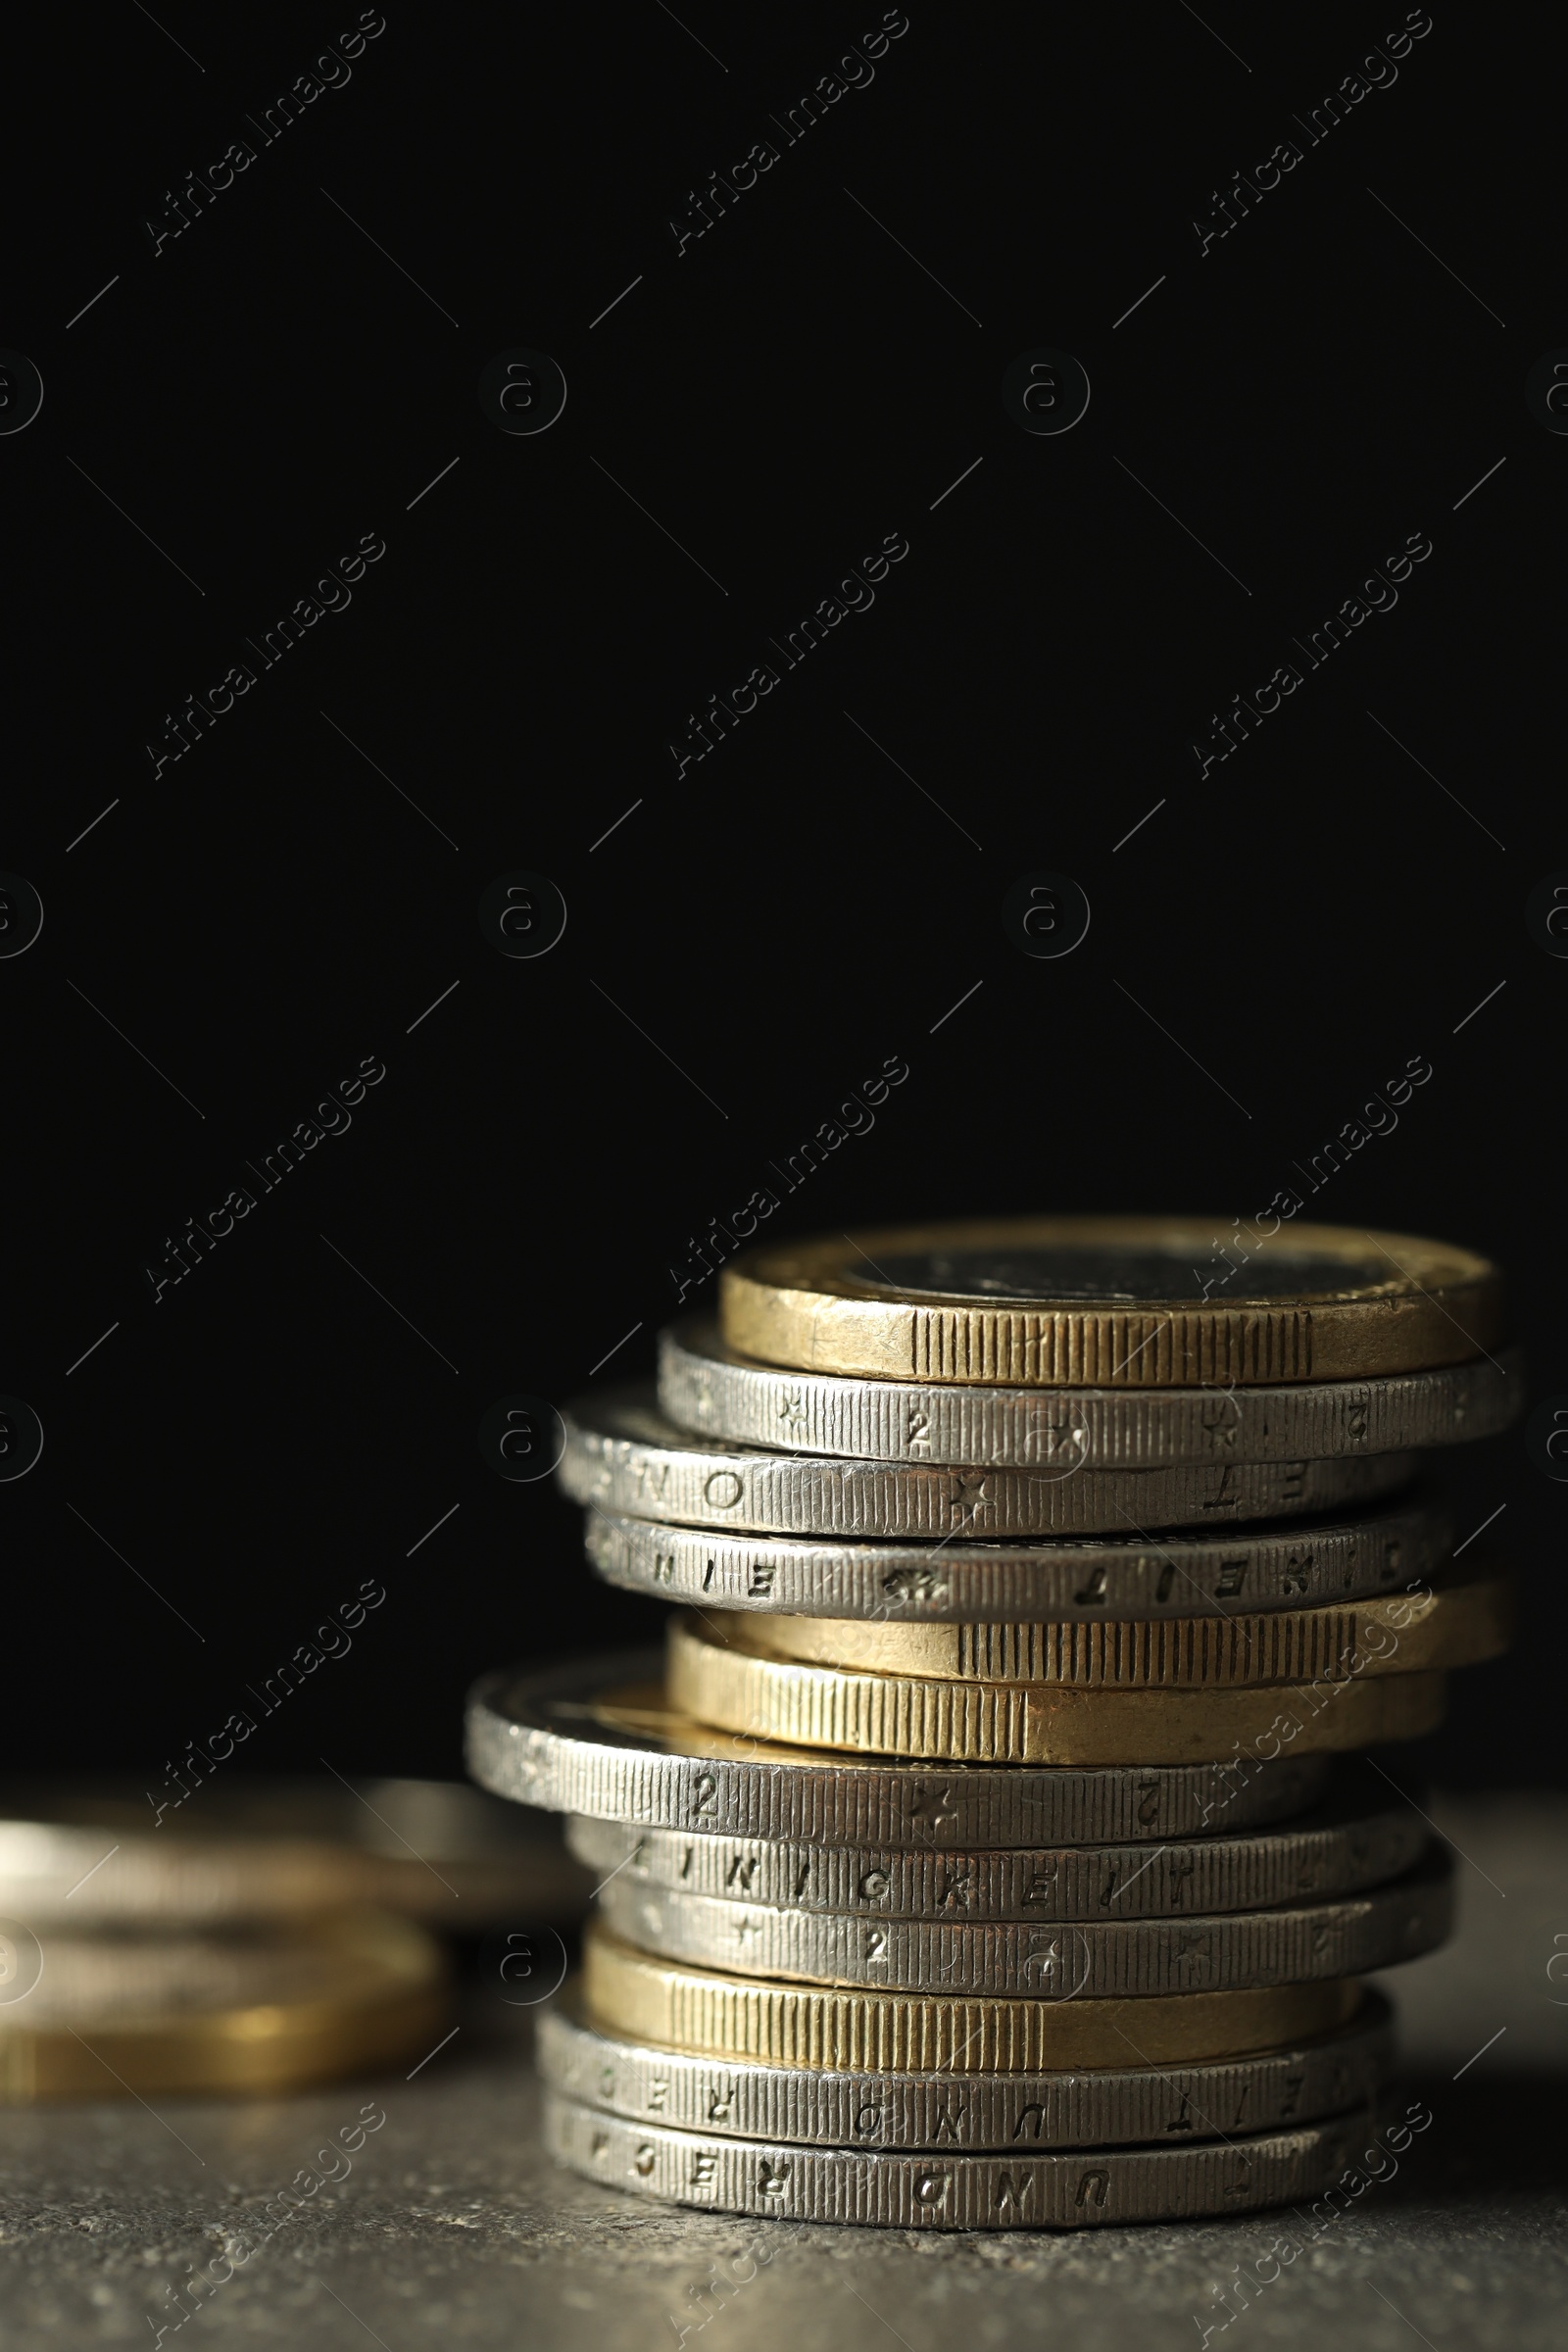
x: 989, y: 1856
x: 274, y: 1934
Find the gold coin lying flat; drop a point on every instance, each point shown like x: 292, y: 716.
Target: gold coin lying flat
x: 1395, y: 1633
x: 683, y: 2007
x: 116, y: 2014
x: 1037, y: 1722
x: 1090, y: 2107
x: 1113, y: 1302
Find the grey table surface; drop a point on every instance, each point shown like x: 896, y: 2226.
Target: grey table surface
x: 454, y: 2229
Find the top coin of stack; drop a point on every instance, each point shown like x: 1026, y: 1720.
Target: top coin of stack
x: 1079, y: 1301
x: 1103, y: 1496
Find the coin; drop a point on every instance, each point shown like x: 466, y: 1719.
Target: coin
x: 1033, y: 1723
x: 1454, y: 1624
x: 944, y: 2191
x: 1085, y: 1578
x: 100, y: 1851
x: 1095, y: 1959
x: 1361, y: 1837
x: 119, y: 2014
x: 711, y: 1389
x: 1112, y: 1302
x: 599, y: 1739
x: 1107, y: 2108
x: 682, y: 2006
x: 622, y: 1455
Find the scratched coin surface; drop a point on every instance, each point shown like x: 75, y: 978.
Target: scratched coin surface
x: 1345, y: 1936
x: 623, y: 1457
x: 1079, y: 1579
x: 892, y: 2189
x: 814, y: 2106
x: 599, y: 1739
x: 1364, y: 1833
x: 713, y: 1390
x: 1112, y: 1301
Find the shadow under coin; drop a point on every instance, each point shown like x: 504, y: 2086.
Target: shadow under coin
x: 1489, y: 2141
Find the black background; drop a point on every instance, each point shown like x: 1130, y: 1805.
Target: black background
x: 784, y: 393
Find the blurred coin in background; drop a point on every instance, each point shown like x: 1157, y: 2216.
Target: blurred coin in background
x: 89, y: 1853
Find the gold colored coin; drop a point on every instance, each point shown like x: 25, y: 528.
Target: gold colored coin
x: 628, y: 1994
x: 116, y: 2014
x: 1395, y: 1632
x: 1038, y: 1723
x: 1113, y: 1302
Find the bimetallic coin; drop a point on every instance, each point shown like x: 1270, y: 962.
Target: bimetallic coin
x: 812, y: 2106
x: 115, y: 2014
x: 1137, y: 1303
x: 888, y: 2189
x: 1454, y: 1624
x: 599, y: 1739
x: 713, y: 1389
x: 1035, y: 1723
x: 622, y: 1455
x: 1084, y: 1577
x: 1360, y: 1838
x: 1063, y: 1961
x: 255, y: 1848
x: 854, y: 2028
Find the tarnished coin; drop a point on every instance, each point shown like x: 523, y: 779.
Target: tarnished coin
x: 599, y: 1739
x: 890, y: 2190
x: 1033, y: 1723
x: 857, y: 2028
x: 1453, y: 1623
x: 622, y: 1455
x: 1049, y: 1961
x: 711, y: 1389
x: 1364, y: 1835
x: 116, y: 2014
x: 1085, y: 1579
x: 1111, y: 2107
x: 1137, y: 1303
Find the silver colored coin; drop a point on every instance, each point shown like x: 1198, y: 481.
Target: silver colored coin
x: 1359, y: 1840
x: 103, y: 1853
x: 624, y: 1457
x: 939, y: 2190
x: 1162, y: 2105
x: 1096, y: 1959
x: 710, y: 1388
x: 1087, y: 1579
x: 558, y: 1741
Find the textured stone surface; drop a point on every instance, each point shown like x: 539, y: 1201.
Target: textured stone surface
x: 453, y: 2231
